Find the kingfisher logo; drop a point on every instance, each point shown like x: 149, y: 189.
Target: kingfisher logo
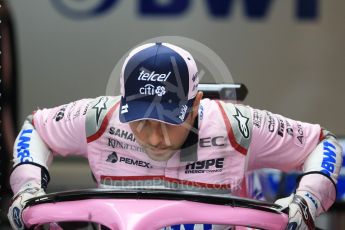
x: 259, y: 9
x: 23, y: 152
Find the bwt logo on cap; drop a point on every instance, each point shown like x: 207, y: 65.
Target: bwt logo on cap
x: 153, y: 76
x: 156, y: 80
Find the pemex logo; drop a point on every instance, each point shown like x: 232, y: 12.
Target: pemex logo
x: 112, y: 158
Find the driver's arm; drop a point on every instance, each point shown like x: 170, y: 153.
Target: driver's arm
x: 286, y: 144
x: 273, y: 141
x: 47, y: 132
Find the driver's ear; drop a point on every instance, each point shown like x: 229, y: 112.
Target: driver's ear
x: 196, y: 104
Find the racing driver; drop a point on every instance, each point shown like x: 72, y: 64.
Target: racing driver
x: 160, y: 133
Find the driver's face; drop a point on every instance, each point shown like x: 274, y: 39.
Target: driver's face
x: 159, y: 140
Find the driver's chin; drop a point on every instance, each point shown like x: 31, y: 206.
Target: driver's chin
x: 159, y: 157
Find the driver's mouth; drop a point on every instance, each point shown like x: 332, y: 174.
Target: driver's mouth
x: 157, y: 151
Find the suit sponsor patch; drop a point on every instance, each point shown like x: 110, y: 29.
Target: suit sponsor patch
x: 242, y: 123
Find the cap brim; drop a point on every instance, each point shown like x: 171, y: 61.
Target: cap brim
x: 170, y: 113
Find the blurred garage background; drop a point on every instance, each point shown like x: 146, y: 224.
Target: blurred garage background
x: 289, y: 54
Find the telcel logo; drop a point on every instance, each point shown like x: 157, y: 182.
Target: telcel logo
x: 153, y: 76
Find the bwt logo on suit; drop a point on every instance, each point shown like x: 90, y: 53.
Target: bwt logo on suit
x: 252, y: 9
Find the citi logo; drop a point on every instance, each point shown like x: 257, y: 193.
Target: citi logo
x: 149, y: 89
x: 153, y: 76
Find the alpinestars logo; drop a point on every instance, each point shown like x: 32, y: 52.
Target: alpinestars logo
x: 242, y: 123
x: 99, y: 107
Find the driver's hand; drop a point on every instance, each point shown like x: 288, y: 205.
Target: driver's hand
x: 302, y: 210
x: 19, y: 200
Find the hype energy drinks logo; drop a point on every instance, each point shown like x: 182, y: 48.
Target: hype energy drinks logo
x: 258, y: 9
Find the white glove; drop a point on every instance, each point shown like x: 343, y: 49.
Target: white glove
x: 29, y: 190
x: 302, y: 210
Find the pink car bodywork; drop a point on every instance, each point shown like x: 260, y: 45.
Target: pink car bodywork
x: 147, y: 210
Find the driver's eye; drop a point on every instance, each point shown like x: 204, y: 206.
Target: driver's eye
x: 139, y: 125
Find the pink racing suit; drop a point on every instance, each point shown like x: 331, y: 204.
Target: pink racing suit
x: 227, y: 142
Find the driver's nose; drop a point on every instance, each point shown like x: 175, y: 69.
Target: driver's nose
x: 155, y: 133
